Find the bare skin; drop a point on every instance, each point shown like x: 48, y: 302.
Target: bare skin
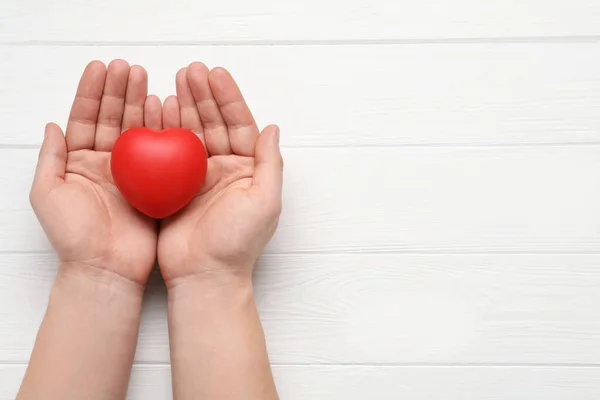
x: 86, y: 343
x: 207, y: 252
x: 84, y: 215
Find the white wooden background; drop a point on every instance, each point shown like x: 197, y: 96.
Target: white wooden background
x: 457, y: 253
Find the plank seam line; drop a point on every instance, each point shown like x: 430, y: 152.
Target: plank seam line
x: 31, y: 146
x: 368, y: 252
x: 382, y: 365
x: 424, y: 365
x: 309, y: 42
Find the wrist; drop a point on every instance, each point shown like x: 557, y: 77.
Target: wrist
x: 207, y: 275
x: 87, y: 295
x: 215, y: 291
x: 210, y: 285
x: 104, y: 282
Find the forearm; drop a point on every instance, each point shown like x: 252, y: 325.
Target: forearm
x: 217, y: 343
x: 86, y: 343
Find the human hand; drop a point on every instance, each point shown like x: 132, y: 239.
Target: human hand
x: 87, y: 220
x: 225, y: 227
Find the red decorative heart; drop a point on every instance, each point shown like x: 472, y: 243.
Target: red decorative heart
x: 158, y: 172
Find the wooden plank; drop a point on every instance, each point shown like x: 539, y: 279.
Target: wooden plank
x: 309, y: 20
x: 153, y: 382
x: 433, y: 199
x: 348, y: 95
x: 385, y: 309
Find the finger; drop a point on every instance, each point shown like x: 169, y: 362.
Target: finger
x: 170, y: 113
x: 52, y: 162
x: 153, y: 112
x: 187, y: 105
x: 112, y: 106
x: 81, y: 128
x: 215, y: 130
x: 137, y: 90
x: 268, y: 175
x: 241, y: 126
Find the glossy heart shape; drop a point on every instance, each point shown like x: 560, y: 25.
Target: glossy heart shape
x: 158, y: 172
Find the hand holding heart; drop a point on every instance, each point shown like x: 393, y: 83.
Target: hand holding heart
x: 226, y: 226
x: 226, y: 223
x: 85, y: 217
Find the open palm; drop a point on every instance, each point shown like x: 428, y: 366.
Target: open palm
x: 231, y: 219
x: 84, y: 215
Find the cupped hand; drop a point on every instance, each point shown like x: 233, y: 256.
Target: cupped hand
x: 230, y: 221
x: 85, y: 217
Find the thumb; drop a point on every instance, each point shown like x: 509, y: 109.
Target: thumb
x: 52, y: 161
x: 268, y: 176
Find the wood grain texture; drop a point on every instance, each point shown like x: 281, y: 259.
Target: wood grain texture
x: 453, y: 200
x: 271, y: 21
x: 384, y: 309
x: 348, y: 95
x: 153, y: 382
x: 441, y: 229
